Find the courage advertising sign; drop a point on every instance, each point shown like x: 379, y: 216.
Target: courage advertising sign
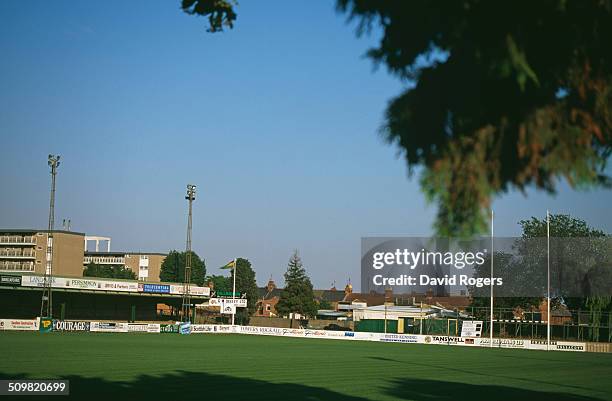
x: 65, y: 325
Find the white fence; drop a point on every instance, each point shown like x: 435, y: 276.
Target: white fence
x: 395, y: 338
x: 120, y: 327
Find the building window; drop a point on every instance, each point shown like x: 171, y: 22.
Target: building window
x: 268, y: 308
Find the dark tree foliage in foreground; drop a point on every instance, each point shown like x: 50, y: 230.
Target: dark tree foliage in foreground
x: 502, y: 94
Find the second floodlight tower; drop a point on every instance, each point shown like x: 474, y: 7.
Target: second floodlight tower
x: 46, y: 305
x: 191, y: 191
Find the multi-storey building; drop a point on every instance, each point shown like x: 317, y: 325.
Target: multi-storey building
x: 23, y: 250
x: 145, y: 265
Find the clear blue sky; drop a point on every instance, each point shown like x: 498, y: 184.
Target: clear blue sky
x: 275, y: 121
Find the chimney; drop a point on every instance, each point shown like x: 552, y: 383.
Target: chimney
x: 388, y: 294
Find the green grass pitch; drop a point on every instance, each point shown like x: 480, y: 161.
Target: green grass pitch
x: 104, y: 366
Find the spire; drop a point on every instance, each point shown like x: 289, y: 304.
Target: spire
x: 349, y: 288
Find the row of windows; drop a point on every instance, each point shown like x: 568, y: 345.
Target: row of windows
x: 16, y: 252
x: 16, y: 239
x: 105, y: 259
x: 16, y: 266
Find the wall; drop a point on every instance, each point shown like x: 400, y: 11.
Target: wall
x: 68, y: 253
x: 155, y: 262
x: 284, y: 323
x: 132, y: 262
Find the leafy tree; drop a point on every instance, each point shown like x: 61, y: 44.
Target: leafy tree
x: 297, y: 296
x: 517, y: 279
x: 561, y: 226
x: 220, y: 283
x: 500, y: 95
x: 108, y: 271
x: 246, y: 284
x: 173, y: 268
x: 324, y: 304
x: 579, y: 254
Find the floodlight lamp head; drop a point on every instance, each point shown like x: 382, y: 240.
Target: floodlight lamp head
x: 191, y: 190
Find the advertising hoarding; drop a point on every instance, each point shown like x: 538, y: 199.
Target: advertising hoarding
x: 19, y: 324
x: 106, y: 327
x: 239, y: 302
x: 143, y: 328
x: 10, y: 280
x: 69, y: 325
x: 471, y: 328
x: 154, y: 288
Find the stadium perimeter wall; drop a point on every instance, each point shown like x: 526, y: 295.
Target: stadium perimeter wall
x: 121, y: 327
x: 285, y: 323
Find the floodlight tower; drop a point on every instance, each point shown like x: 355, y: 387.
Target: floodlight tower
x: 191, y: 191
x: 46, y: 304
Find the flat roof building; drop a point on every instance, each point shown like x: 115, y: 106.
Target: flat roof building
x: 145, y: 265
x: 25, y: 250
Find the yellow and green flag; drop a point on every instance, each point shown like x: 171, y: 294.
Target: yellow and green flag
x: 230, y: 265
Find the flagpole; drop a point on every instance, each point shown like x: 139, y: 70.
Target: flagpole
x: 491, y: 317
x: 234, y: 289
x: 548, y: 280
